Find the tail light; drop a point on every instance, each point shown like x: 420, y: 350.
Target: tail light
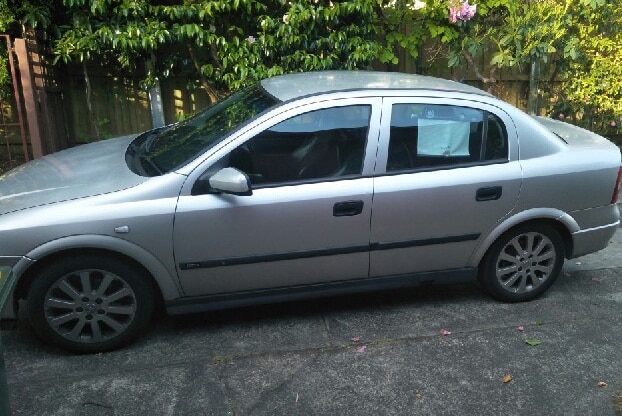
x: 616, y: 190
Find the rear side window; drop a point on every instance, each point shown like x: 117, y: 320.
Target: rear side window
x: 424, y: 136
x: 496, y: 144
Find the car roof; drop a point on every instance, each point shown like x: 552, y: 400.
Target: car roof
x: 291, y: 86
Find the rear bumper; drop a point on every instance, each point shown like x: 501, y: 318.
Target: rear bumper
x: 592, y: 239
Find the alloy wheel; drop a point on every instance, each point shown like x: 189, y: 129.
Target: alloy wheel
x: 90, y: 306
x: 525, y: 262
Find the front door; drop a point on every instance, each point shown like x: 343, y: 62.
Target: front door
x: 308, y: 218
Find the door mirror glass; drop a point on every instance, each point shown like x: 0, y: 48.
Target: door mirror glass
x: 230, y: 181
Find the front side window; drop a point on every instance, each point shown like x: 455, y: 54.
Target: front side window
x: 423, y: 135
x: 322, y: 144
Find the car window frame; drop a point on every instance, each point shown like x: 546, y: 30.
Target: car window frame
x: 213, y: 162
x: 385, y: 129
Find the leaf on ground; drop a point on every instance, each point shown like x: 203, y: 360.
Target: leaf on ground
x: 521, y: 328
x: 533, y: 342
x: 418, y: 396
x: 507, y: 378
x: 596, y: 279
x: 361, y: 349
x: 445, y: 332
x: 356, y: 339
x: 602, y: 384
x: 538, y: 323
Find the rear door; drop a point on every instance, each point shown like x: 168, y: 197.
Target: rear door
x: 447, y: 172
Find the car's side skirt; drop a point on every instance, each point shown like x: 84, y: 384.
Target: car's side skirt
x: 288, y: 294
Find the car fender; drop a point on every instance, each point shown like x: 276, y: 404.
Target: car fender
x: 165, y: 279
x: 511, y: 221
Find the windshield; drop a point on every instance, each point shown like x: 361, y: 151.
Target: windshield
x: 163, y: 150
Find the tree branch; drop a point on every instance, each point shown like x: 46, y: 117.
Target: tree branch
x: 204, y: 83
x: 478, y: 74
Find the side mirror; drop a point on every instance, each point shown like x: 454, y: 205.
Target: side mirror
x: 231, y: 181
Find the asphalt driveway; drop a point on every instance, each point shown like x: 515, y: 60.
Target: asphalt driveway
x: 432, y: 350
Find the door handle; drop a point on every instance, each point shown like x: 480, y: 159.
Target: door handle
x: 347, y: 208
x: 488, y: 194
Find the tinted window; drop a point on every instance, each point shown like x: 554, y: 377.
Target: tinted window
x: 320, y: 144
x: 496, y: 145
x: 166, y: 149
x: 441, y: 135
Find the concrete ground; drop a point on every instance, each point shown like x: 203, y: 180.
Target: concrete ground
x: 378, y: 354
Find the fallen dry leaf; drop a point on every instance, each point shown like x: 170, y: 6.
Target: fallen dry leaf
x: 596, y: 279
x: 361, y: 349
x: 601, y: 384
x: 445, y: 332
x: 418, y: 396
x: 355, y: 339
x: 507, y: 378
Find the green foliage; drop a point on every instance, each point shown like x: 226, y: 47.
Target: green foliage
x: 36, y: 14
x: 407, y: 28
x: 591, y: 89
x: 531, y: 31
x: 221, y: 44
x: 6, y: 18
x: 579, y: 42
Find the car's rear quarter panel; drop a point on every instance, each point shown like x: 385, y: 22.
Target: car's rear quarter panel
x: 578, y: 179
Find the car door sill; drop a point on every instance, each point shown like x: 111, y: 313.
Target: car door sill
x: 317, y: 290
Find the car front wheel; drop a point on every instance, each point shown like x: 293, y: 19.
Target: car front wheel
x: 90, y: 303
x: 523, y: 263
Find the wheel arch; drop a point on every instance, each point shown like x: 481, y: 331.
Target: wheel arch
x: 164, y: 285
x: 563, y: 223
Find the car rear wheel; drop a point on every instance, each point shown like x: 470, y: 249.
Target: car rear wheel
x: 90, y: 303
x: 523, y: 263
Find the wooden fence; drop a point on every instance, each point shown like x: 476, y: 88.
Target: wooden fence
x: 120, y: 106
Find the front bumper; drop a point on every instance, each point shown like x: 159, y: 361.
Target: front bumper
x: 9, y: 261
x: 10, y: 268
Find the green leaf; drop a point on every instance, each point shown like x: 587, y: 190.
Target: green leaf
x: 533, y: 342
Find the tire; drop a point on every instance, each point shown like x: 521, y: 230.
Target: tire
x: 90, y: 303
x: 523, y: 263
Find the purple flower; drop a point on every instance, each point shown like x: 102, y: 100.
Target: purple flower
x: 467, y: 11
x: 461, y: 10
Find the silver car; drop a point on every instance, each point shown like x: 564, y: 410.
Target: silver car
x: 302, y: 185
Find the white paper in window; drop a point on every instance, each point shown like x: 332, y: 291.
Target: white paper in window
x: 443, y: 138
